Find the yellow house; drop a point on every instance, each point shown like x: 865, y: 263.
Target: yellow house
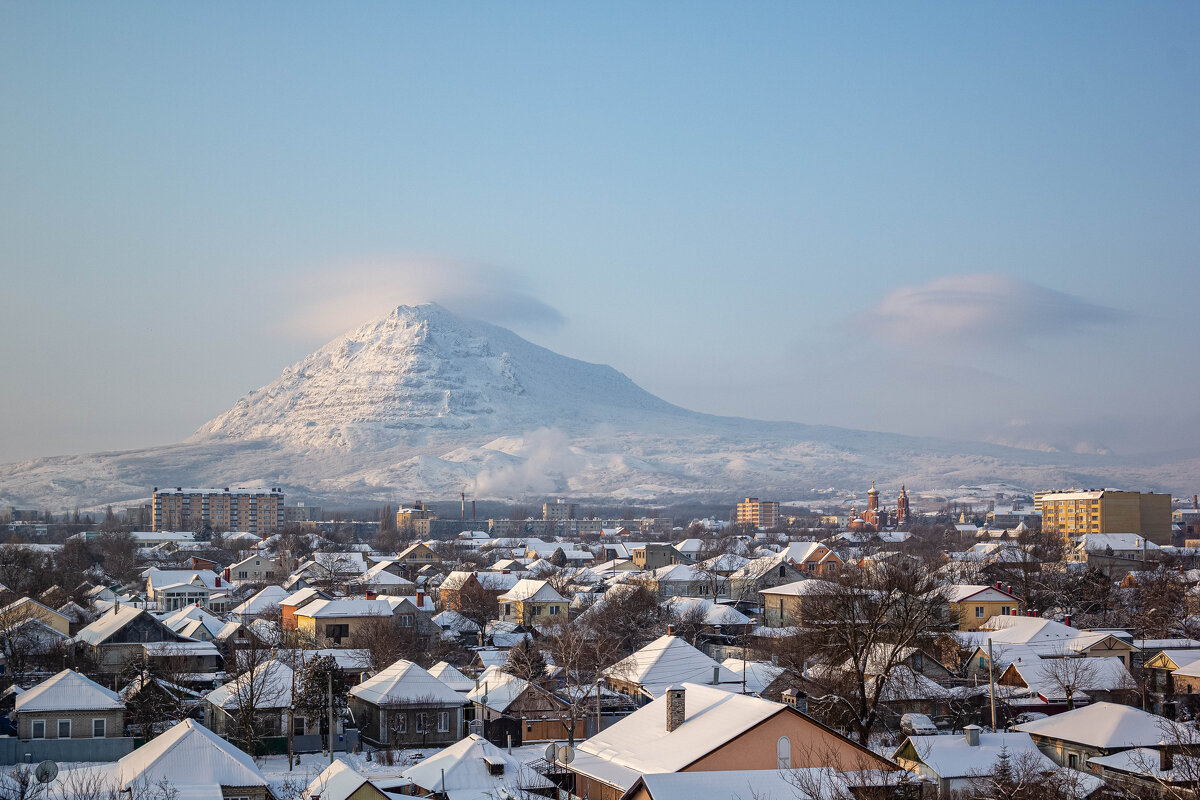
x: 25, y: 608
x: 972, y: 605
x: 417, y: 556
x: 340, y: 621
x: 533, y: 602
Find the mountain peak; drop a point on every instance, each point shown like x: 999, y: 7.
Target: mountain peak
x: 422, y: 370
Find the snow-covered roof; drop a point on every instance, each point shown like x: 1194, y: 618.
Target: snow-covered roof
x: 262, y: 600
x: 379, y: 576
x: 802, y: 588
x: 302, y: 596
x: 667, y: 661
x: 713, y: 613
x: 346, y: 607
x: 499, y: 687
x: 640, y: 742
x: 955, y: 757
x: 336, y: 782
x: 109, y: 623
x: 189, y: 755
x: 1088, y: 674
x: 1110, y: 725
x: 1147, y: 761
x: 528, y: 590
x: 269, y: 684
x: 463, y: 771
x: 68, y: 691
x: 449, y: 675
x: 1099, y: 542
x: 405, y: 682
x: 958, y: 592
x: 454, y: 622
x: 758, y: 674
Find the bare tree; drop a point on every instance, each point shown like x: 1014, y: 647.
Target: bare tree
x: 863, y: 628
x: 1070, y: 675
x: 386, y: 641
x: 581, y: 657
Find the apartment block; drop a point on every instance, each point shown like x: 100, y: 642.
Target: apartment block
x: 258, y: 511
x: 1076, y: 513
x: 761, y: 513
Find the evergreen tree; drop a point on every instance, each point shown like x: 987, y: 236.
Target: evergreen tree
x: 526, y: 661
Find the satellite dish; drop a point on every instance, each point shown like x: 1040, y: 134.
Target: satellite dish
x: 46, y: 771
x: 551, y: 752
x: 566, y: 754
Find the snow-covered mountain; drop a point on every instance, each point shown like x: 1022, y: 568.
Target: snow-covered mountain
x: 424, y: 403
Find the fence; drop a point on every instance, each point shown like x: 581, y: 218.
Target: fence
x: 16, y: 751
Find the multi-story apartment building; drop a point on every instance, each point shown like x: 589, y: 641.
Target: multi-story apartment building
x: 258, y: 511
x: 1071, y: 514
x: 761, y: 513
x: 301, y: 513
x: 559, y: 509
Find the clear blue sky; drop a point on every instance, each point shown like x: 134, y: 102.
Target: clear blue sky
x: 938, y: 218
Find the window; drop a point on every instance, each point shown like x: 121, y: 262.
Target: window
x: 443, y: 721
x: 98, y: 728
x: 337, y: 632
x: 64, y: 729
x: 783, y: 753
x: 537, y: 610
x: 401, y: 722
x: 422, y: 720
x: 1005, y: 610
x: 242, y: 575
x: 982, y: 662
x: 297, y: 726
x: 783, y: 570
x: 508, y: 609
x: 406, y: 620
x: 978, y: 612
x: 39, y: 729
x: 1073, y: 761
x: 554, y: 611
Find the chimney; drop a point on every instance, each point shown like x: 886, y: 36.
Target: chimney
x: 420, y: 598
x: 997, y: 584
x: 972, y: 734
x: 218, y: 581
x: 670, y: 629
x: 1035, y: 612
x: 370, y: 595
x: 1014, y: 612
x: 716, y: 674
x: 1068, y: 620
x: 675, y: 708
x: 116, y: 605
x: 1195, y: 503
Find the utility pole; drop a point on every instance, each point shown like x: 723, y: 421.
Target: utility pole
x: 329, y: 684
x: 991, y: 685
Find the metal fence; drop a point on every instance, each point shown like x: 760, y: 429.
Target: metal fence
x: 16, y: 751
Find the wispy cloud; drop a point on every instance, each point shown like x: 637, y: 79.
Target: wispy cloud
x: 326, y: 302
x: 982, y: 309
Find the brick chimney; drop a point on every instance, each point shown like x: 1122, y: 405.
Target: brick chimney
x: 675, y: 708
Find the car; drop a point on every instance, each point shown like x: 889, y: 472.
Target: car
x: 918, y: 725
